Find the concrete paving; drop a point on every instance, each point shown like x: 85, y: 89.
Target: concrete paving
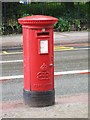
x: 65, y: 107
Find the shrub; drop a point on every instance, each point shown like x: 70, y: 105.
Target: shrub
x: 65, y: 24
x: 62, y: 25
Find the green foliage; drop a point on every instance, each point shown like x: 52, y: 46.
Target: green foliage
x: 19, y: 27
x: 70, y: 24
x: 70, y: 18
x: 62, y: 25
x: 77, y: 24
x: 6, y: 29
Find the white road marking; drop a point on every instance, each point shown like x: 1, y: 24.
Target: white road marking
x: 11, y: 61
x: 83, y: 48
x: 55, y: 73
x: 11, y: 77
x: 71, y: 72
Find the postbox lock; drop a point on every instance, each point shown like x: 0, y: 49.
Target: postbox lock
x: 51, y: 65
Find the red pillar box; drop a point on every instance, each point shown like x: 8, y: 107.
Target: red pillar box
x: 38, y: 60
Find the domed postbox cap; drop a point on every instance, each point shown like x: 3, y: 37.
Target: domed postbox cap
x: 37, y: 20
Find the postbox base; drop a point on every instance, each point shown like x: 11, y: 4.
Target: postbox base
x: 39, y: 99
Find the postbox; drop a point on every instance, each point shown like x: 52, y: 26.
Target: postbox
x: 38, y: 60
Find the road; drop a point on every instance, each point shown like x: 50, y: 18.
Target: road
x: 71, y: 84
x: 67, y: 58
x: 64, y: 61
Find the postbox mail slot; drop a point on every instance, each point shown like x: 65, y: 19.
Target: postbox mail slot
x: 43, y: 33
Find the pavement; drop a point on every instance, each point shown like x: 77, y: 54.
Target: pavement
x: 15, y: 41
x: 73, y: 106
x: 65, y: 107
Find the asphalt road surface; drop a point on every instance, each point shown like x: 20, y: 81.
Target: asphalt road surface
x: 66, y: 59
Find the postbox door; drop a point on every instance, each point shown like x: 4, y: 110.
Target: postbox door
x: 41, y: 61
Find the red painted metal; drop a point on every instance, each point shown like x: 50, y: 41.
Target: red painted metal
x: 38, y: 52
x: 37, y: 21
